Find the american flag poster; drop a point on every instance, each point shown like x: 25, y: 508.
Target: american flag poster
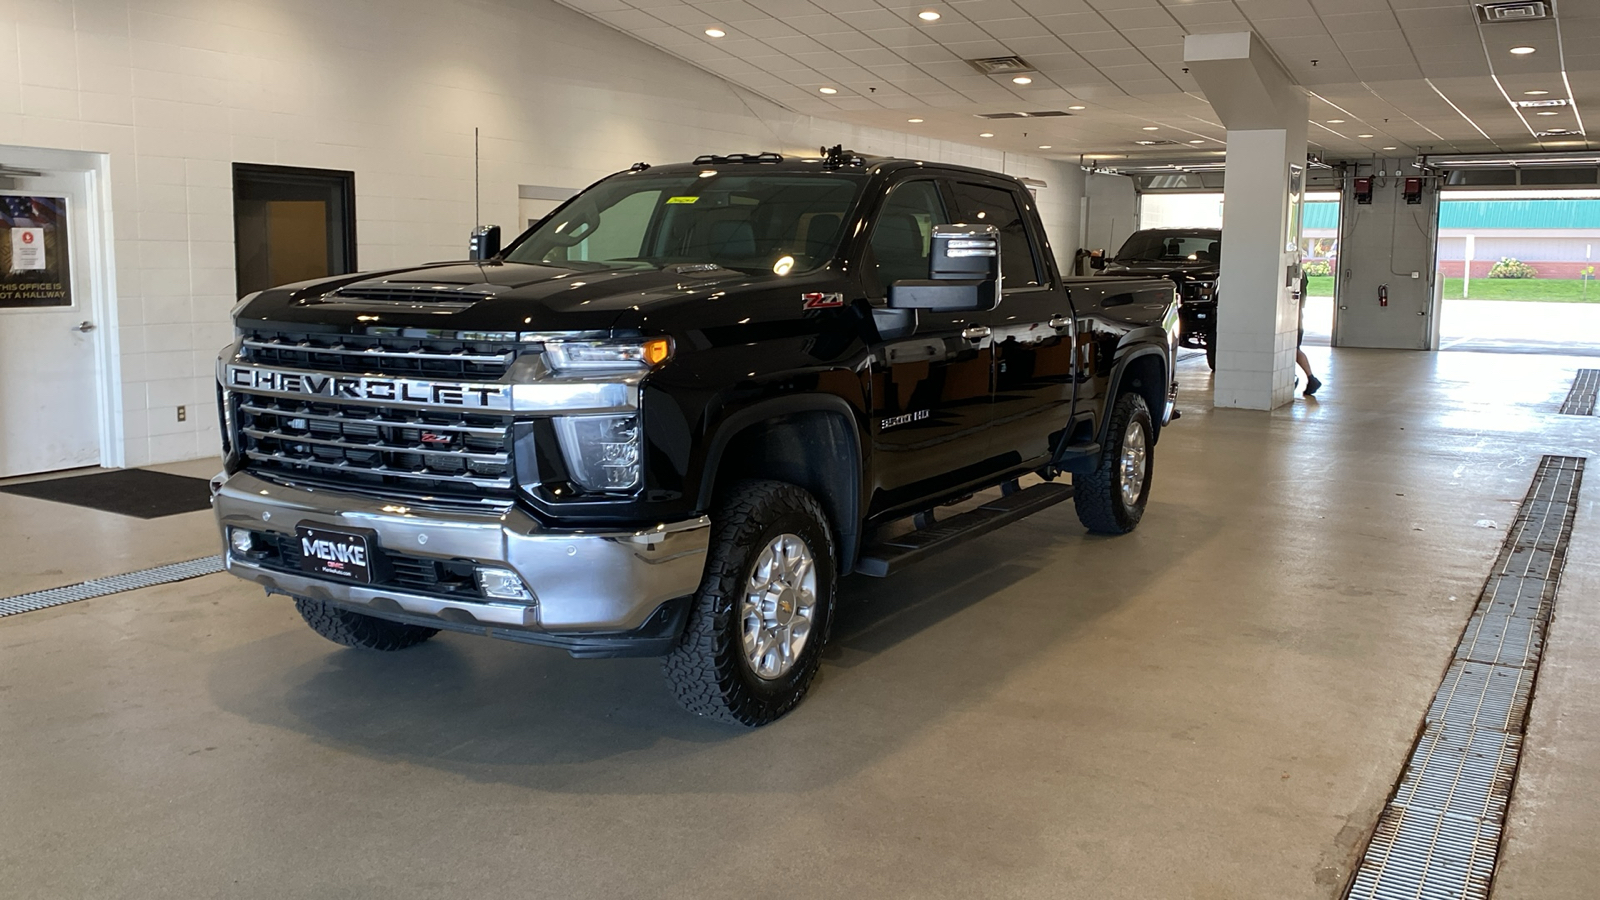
x: 33, y: 252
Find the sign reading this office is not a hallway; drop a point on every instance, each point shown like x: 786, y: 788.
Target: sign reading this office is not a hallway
x: 33, y: 252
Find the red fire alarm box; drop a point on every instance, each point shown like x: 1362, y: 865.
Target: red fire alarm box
x: 1413, y: 191
x: 1363, y: 190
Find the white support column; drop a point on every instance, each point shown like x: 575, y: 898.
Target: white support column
x: 1257, y: 316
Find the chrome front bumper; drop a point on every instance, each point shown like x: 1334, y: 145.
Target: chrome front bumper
x: 591, y: 581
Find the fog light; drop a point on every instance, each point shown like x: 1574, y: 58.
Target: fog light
x: 243, y: 541
x: 502, y: 584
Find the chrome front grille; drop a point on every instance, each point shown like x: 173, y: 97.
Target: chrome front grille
x: 481, y: 357
x: 361, y: 445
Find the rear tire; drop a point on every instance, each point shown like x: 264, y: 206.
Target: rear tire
x: 363, y: 632
x: 1111, y: 500
x: 757, y: 625
x: 1211, y: 351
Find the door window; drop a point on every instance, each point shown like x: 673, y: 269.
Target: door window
x: 978, y: 204
x: 903, y: 234
x: 291, y: 225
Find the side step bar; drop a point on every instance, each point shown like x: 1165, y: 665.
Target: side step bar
x: 894, y: 554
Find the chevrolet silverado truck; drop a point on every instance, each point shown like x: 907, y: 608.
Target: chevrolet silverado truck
x: 1191, y: 258
x: 672, y: 414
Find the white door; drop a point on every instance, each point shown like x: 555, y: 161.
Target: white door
x: 49, y: 402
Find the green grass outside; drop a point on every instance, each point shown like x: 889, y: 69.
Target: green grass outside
x: 1545, y: 290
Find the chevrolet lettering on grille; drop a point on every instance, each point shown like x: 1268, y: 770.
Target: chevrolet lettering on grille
x: 401, y: 391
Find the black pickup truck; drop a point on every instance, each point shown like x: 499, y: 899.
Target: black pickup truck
x: 1192, y: 258
x: 672, y: 414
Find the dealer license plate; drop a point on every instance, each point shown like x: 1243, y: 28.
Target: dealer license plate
x: 335, y: 554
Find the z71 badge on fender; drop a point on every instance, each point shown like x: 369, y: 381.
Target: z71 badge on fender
x: 820, y: 300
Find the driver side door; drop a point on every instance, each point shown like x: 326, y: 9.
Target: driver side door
x: 931, y: 389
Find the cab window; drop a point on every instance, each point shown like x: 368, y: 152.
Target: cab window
x: 903, y: 234
x: 979, y: 204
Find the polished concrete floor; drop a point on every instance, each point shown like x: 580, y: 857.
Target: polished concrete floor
x: 1215, y: 706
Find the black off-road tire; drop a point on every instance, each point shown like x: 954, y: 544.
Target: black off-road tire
x: 363, y: 632
x: 708, y: 670
x: 1098, y: 496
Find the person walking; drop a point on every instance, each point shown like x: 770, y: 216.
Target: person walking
x: 1312, y: 382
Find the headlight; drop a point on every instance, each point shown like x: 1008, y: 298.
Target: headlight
x: 604, y: 356
x: 602, y: 452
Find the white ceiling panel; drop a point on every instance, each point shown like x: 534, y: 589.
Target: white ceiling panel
x: 1368, y: 62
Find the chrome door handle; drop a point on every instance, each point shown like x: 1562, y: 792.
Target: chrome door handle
x: 1060, y: 322
x: 975, y: 332
x: 84, y: 327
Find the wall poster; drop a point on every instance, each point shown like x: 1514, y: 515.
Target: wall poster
x: 34, y: 271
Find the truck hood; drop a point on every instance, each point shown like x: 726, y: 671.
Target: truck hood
x: 494, y: 296
x: 1198, y: 270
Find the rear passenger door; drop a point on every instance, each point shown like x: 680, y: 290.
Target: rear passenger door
x: 1032, y: 328
x: 930, y: 388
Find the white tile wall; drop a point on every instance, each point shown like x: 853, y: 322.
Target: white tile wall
x: 175, y: 91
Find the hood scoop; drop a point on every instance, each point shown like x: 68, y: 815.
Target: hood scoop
x: 410, y: 296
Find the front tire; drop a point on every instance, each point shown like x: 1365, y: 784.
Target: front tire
x: 1211, y: 351
x: 757, y: 625
x: 352, y: 629
x: 1111, y: 500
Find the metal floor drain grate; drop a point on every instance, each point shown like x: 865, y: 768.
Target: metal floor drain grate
x: 113, y: 584
x: 1439, y: 835
x: 1581, y: 399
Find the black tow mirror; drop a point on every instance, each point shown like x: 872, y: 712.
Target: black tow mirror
x: 484, y: 243
x: 963, y: 272
x: 1097, y: 259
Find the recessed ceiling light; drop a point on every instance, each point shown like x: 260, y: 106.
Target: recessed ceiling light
x: 987, y: 134
x: 1152, y: 128
x: 1144, y: 143
x: 1197, y: 141
x: 1022, y: 79
x: 914, y: 121
x: 1077, y: 107
x: 1534, y: 93
x: 928, y: 15
x: 1547, y: 113
x: 1045, y: 146
x: 1522, y: 51
x: 1335, y: 121
x: 1366, y: 135
x: 716, y: 32
x: 1391, y: 148
x: 829, y: 90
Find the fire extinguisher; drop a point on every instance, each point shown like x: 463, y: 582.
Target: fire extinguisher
x: 1383, y: 295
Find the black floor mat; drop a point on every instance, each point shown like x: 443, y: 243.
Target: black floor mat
x: 126, y: 492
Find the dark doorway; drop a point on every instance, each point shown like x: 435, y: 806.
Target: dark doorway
x: 291, y: 224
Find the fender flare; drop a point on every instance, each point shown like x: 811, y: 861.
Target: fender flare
x: 1138, y: 350
x: 847, y: 508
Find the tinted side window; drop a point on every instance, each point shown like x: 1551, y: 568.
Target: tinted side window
x: 903, y: 234
x: 978, y: 204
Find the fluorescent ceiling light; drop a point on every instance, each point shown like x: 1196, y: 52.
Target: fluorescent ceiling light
x: 1391, y: 148
x: 1152, y: 128
x: 1077, y: 107
x: 716, y: 32
x: 1534, y: 93
x: 987, y: 134
x: 1363, y: 136
x: 1522, y: 51
x: 1022, y: 79
x: 829, y: 90
x: 928, y: 15
x: 915, y: 121
x: 1335, y: 121
x: 1198, y: 141
x: 1044, y: 146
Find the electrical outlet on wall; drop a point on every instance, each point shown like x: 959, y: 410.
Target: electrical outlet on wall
x: 183, y: 414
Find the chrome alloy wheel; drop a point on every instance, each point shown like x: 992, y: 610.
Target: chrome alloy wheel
x: 780, y: 600
x: 1135, y: 462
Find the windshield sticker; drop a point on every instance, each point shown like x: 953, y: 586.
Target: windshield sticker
x: 682, y: 199
x: 819, y: 300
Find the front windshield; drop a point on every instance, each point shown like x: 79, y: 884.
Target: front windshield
x: 1156, y: 246
x: 750, y: 221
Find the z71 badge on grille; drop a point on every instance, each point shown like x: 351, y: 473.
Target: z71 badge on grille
x: 399, y: 391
